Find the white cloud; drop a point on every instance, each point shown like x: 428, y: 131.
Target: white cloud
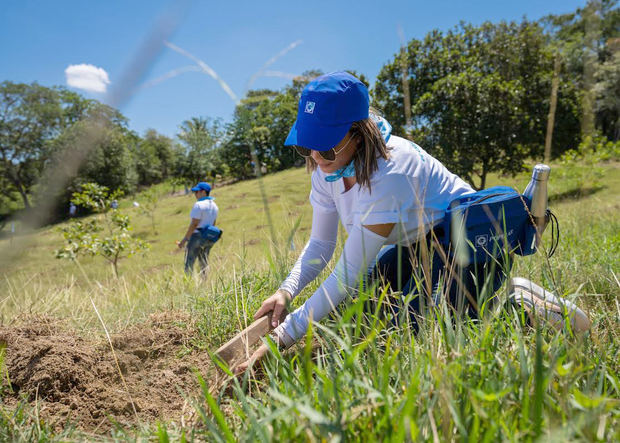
x: 87, y: 77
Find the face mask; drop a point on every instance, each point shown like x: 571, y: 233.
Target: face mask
x: 347, y: 171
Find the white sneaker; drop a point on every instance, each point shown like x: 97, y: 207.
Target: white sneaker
x: 538, y: 302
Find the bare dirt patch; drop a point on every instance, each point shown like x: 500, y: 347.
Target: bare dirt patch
x: 77, y: 380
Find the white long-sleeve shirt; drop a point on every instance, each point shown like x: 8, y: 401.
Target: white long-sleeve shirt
x: 410, y: 189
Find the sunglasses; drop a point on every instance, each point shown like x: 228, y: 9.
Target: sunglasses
x: 329, y: 155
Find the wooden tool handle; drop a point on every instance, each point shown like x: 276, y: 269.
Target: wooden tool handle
x: 240, y: 343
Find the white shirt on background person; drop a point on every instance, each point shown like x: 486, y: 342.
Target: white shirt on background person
x: 204, y: 210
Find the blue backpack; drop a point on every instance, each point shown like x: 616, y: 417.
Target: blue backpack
x: 211, y: 233
x: 493, y: 221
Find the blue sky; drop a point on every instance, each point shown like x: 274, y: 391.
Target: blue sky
x: 40, y: 40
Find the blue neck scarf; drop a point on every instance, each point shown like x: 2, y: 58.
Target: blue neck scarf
x: 205, y: 198
x: 349, y: 171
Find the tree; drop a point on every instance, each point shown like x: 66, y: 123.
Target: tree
x: 201, y: 137
x: 111, y: 162
x: 607, y: 93
x: 107, y: 234
x: 154, y: 157
x: 148, y: 204
x: 98, y: 148
x: 462, y: 81
x: 47, y: 130
x: 30, y: 116
x: 588, y: 40
x: 473, y: 121
x: 252, y: 132
x: 259, y: 129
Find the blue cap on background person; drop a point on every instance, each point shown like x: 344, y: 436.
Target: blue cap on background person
x: 202, y: 186
x: 328, y: 106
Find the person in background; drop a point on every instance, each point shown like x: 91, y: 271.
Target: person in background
x: 72, y: 209
x: 203, y: 213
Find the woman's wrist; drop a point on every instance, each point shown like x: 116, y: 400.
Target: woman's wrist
x: 281, y: 338
x: 286, y: 293
x: 287, y: 290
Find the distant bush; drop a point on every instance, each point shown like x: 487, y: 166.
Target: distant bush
x: 595, y: 149
x: 590, y: 153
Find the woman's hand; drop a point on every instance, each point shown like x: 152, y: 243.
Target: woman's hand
x: 255, y: 357
x: 276, y: 303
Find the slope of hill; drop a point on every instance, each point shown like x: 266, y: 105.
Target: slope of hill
x: 54, y: 312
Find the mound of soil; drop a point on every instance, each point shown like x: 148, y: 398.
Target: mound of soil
x: 150, y: 375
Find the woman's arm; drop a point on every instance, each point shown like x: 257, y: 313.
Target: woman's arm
x: 316, y: 254
x: 360, y: 249
x: 331, y: 292
x: 314, y: 257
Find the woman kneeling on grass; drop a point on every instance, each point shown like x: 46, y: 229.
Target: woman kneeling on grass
x: 386, y: 191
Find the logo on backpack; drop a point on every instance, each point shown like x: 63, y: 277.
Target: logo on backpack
x: 495, y: 220
x: 482, y: 240
x: 309, y: 108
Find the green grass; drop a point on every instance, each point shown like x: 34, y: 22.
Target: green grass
x: 354, y: 378
x: 34, y: 281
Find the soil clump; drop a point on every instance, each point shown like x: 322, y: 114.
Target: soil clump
x: 72, y: 379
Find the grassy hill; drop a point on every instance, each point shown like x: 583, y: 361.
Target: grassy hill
x: 36, y: 282
x: 495, y: 380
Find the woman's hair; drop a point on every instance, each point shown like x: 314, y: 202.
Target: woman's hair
x: 370, y: 147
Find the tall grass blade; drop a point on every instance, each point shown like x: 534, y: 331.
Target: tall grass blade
x: 539, y: 386
x: 216, y: 411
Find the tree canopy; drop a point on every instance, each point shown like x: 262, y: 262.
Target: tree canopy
x: 479, y: 99
x: 31, y: 116
x: 479, y: 96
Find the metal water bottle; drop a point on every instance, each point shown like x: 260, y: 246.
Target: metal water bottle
x: 536, y: 190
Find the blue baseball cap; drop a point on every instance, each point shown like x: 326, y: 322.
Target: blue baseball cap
x: 202, y: 186
x: 328, y: 106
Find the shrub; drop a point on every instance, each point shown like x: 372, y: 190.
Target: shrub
x: 590, y: 153
x: 107, y: 235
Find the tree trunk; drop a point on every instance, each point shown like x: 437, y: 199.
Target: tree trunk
x: 405, y: 80
x: 483, y: 175
x: 20, y: 188
x: 592, y: 33
x: 552, y: 106
x: 24, y: 198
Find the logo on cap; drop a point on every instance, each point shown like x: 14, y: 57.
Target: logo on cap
x: 309, y: 108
